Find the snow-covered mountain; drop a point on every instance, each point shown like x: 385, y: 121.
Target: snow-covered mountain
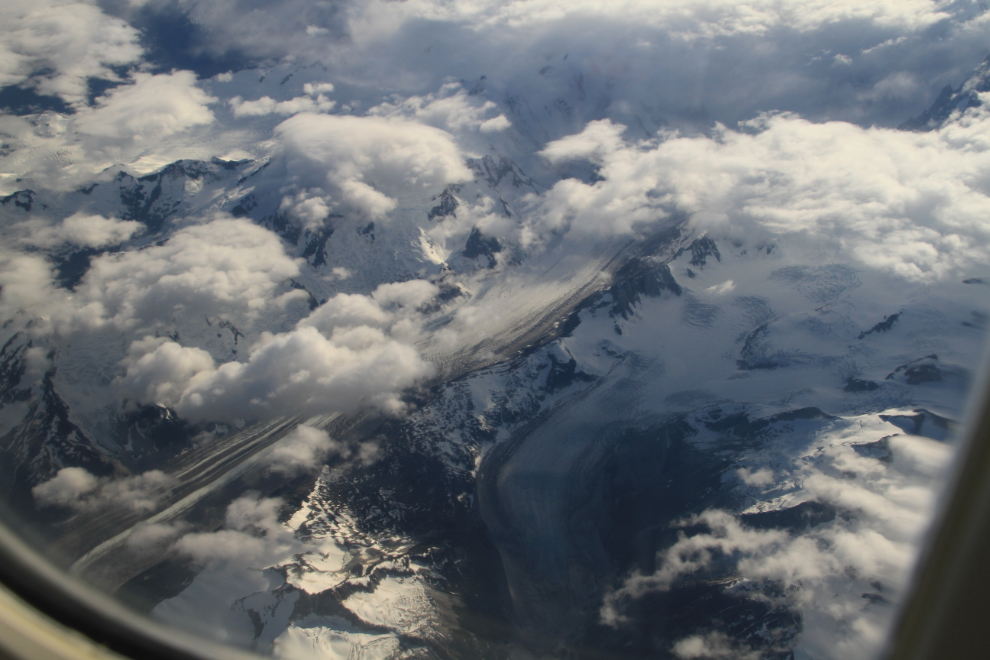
x: 514, y: 504
x: 953, y: 100
x: 667, y: 378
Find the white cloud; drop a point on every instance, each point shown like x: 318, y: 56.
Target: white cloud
x: 390, y: 305
x: 761, y: 477
x: 495, y: 124
x: 304, y: 449
x: 152, y: 108
x: 263, y: 106
x: 227, y: 545
x: 66, y: 488
x: 712, y: 646
x: 252, y: 536
x: 77, y: 489
x: 347, y: 309
x: 337, y: 359
x: 912, y: 204
x: 721, y: 289
x: 37, y: 362
x: 597, y: 142
x: 144, y: 123
x: 70, y: 41
x: 408, y: 295
x: 27, y: 288
x: 229, y: 267
x: 305, y: 29
x: 307, y: 208
x: 160, y: 370
x: 315, y: 89
x: 305, y: 372
x: 451, y: 109
x: 823, y: 571
x: 364, y: 160
x: 225, y: 267
x: 909, y: 204
x: 369, y: 452
x: 269, y: 106
x: 692, y: 554
x: 80, y: 229
x: 727, y: 60
x: 683, y: 63
x: 149, y: 538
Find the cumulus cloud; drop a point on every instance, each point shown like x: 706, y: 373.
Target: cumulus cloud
x: 393, y: 307
x: 339, y: 358
x: 713, y: 646
x: 160, y: 370
x: 315, y: 89
x: 451, y: 109
x: 226, y: 266
x: 306, y: 372
x: 761, y: 477
x: 364, y: 160
x: 269, y: 106
x: 447, y: 237
x: 404, y: 295
x: 77, y: 489
x: 81, y: 229
x: 37, y: 362
x: 599, y: 140
x: 821, y: 572
x: 309, y: 208
x: 858, y: 61
x: 495, y: 124
x: 149, y: 538
x: 347, y: 310
x: 252, y: 535
x: 66, y: 487
x: 152, y: 108
x: 70, y: 42
x: 694, y: 553
x: 27, y: 287
x: 304, y: 449
x: 907, y: 203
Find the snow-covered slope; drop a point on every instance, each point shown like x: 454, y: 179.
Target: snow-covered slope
x: 951, y: 101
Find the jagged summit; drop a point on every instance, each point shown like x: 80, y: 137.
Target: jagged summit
x: 951, y: 100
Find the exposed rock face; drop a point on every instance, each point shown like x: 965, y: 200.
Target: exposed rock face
x: 951, y: 100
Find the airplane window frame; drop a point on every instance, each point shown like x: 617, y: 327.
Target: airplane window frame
x: 944, y: 609
x: 75, y: 606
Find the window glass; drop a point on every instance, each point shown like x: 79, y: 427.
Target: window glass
x: 489, y: 328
